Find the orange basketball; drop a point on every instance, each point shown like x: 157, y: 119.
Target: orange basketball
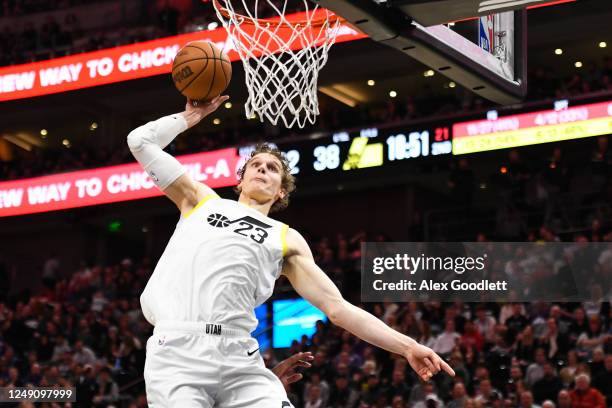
x: 201, y: 71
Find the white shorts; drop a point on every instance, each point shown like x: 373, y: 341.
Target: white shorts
x: 205, y: 365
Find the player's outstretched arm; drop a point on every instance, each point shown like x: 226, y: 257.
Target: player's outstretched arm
x: 316, y: 287
x: 148, y: 141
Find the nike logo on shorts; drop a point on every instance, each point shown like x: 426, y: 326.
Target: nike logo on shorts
x: 250, y: 353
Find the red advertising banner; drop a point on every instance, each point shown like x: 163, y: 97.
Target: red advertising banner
x: 109, y: 184
x: 112, y: 65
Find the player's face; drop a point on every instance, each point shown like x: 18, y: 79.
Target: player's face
x: 263, y: 177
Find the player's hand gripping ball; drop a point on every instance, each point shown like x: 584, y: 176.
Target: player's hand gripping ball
x: 201, y: 71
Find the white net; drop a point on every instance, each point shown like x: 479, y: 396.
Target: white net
x: 281, y: 57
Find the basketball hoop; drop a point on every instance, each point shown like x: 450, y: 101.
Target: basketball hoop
x: 281, y: 57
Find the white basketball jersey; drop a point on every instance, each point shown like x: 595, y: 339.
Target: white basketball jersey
x: 221, y: 262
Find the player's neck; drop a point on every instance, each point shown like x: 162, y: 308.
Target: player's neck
x: 263, y: 208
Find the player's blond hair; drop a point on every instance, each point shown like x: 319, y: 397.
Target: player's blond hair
x: 287, y: 179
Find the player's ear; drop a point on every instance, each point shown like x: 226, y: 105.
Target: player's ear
x: 281, y: 194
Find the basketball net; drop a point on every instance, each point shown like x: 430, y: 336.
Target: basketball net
x: 281, y: 57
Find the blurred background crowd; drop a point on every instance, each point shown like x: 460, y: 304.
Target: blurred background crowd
x: 85, y: 329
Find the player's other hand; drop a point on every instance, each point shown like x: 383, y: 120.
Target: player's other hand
x: 204, y: 109
x: 426, y: 362
x: 285, y: 370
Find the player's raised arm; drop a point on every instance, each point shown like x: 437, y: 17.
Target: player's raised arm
x: 314, y: 285
x: 148, y: 141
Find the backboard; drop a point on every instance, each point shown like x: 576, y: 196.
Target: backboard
x: 484, y: 52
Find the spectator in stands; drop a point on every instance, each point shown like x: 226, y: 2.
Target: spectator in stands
x: 472, y: 337
x: 485, y: 324
x: 526, y: 344
x: 585, y: 396
x: 547, y: 387
x: 486, y: 393
x: 13, y: 379
x: 564, y: 400
x: 82, y: 354
x: 459, y: 395
x: 34, y: 376
x: 555, y: 342
x: 321, y: 384
x: 516, y: 373
x: 343, y: 395
x: 61, y: 346
x: 603, y: 380
x: 430, y: 401
x: 313, y: 399
x: 594, y: 338
x: 447, y: 340
x: 579, y: 324
x: 373, y: 391
x: 527, y: 400
x: 87, y: 386
x: 517, y: 322
x: 535, y: 371
x: 597, y: 363
x: 108, y: 390
x: 398, y: 385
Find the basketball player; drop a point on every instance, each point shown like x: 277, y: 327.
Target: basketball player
x: 221, y: 262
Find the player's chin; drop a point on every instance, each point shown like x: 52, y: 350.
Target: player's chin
x: 260, y: 192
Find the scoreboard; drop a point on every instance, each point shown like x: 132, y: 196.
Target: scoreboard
x: 347, y: 151
x: 382, y: 147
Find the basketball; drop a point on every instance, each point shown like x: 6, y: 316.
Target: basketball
x: 200, y: 71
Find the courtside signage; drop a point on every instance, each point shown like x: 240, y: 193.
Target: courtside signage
x: 118, y: 64
x: 533, y: 128
x: 109, y: 184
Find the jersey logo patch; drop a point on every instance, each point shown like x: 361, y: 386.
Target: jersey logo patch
x: 247, y: 226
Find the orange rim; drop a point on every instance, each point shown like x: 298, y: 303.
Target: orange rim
x: 272, y: 23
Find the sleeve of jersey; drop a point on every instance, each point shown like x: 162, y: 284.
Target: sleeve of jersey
x: 147, y: 143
